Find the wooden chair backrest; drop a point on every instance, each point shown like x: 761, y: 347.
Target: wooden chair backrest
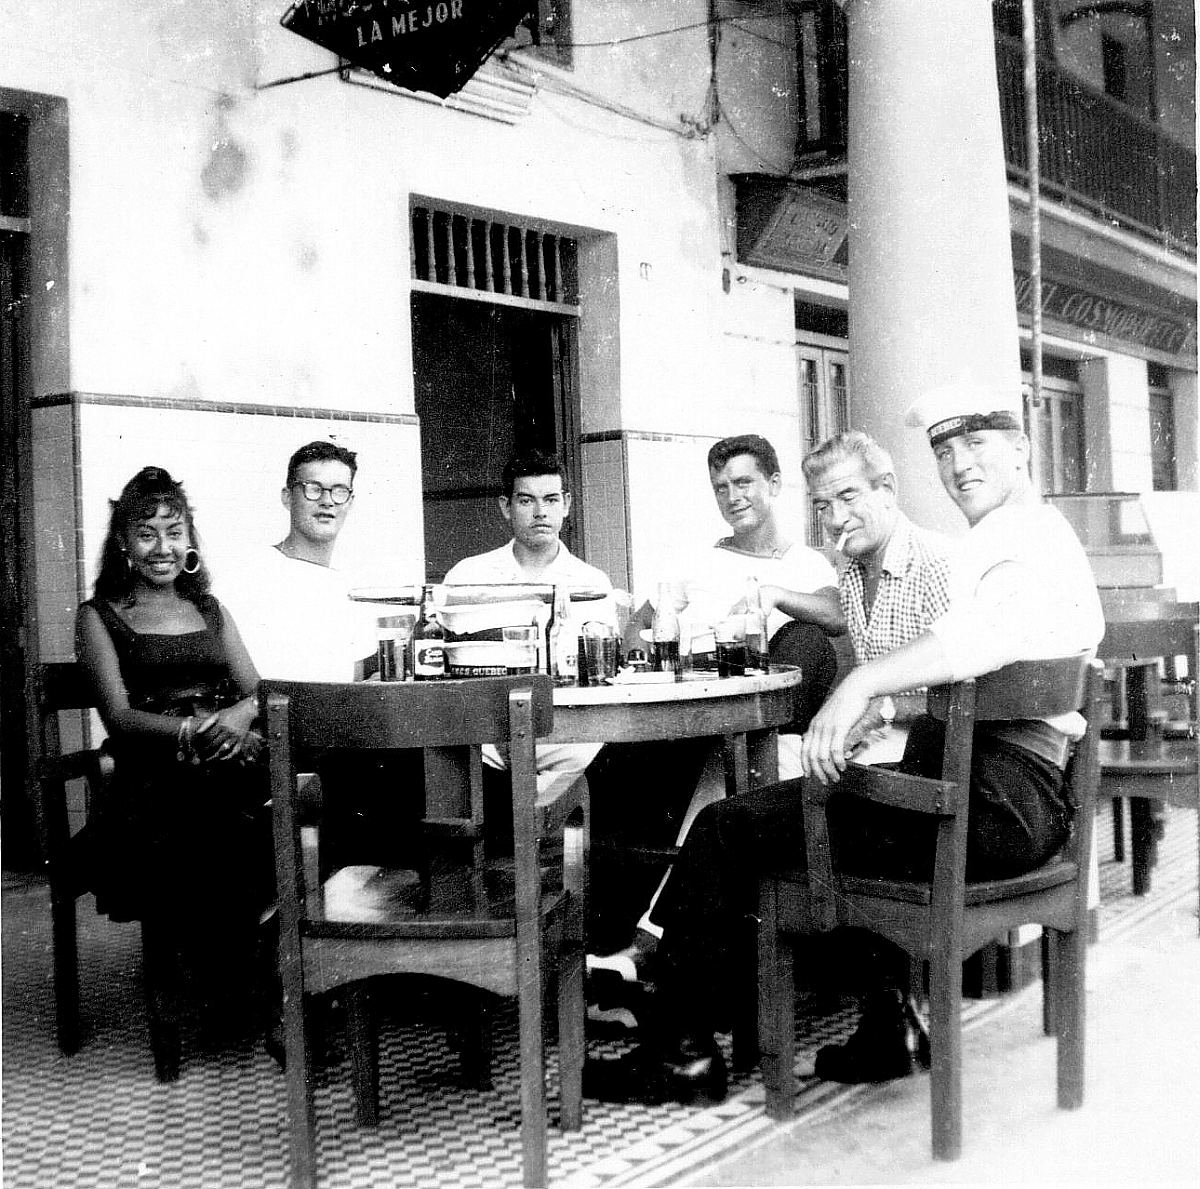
x: 368, y: 715
x: 1152, y: 630
x: 1023, y: 690
x: 64, y: 685
x: 60, y: 686
x: 1026, y: 689
x: 449, y: 720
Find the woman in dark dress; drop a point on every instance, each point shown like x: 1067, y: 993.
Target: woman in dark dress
x: 181, y: 838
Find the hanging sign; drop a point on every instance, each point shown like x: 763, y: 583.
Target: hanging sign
x: 1173, y: 332
x: 416, y: 45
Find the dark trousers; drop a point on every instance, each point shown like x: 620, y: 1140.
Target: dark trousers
x: 1018, y: 820
x: 804, y: 644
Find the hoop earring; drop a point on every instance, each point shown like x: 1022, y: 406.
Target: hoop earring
x: 193, y: 556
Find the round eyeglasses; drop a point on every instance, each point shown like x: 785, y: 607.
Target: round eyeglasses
x: 338, y: 493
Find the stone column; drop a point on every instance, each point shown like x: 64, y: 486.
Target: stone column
x: 931, y: 281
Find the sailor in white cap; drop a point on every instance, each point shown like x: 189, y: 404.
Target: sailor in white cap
x: 966, y: 420
x: 1020, y: 589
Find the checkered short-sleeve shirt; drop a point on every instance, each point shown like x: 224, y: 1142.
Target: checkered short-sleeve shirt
x: 914, y: 591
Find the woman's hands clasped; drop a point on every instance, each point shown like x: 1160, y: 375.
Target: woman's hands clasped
x: 228, y: 734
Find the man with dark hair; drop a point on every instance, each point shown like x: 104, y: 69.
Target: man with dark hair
x: 292, y: 606
x: 320, y: 452
x: 535, y: 504
x: 798, y: 593
x: 797, y: 586
x: 750, y: 444
x: 533, y: 462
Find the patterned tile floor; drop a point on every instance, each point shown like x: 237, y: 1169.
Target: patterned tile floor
x: 99, y: 1118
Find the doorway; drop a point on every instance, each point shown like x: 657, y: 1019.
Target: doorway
x: 20, y: 847
x: 490, y: 379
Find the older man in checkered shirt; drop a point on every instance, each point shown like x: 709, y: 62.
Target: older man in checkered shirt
x: 895, y: 582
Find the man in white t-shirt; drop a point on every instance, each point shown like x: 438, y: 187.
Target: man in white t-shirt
x: 299, y: 623
x: 292, y: 607
x: 798, y: 590
x: 798, y: 587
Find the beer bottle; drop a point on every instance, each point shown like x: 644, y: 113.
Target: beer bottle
x: 664, y: 633
x: 756, y: 629
x: 429, y: 642
x: 564, y: 640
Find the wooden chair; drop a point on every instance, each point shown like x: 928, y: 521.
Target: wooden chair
x: 453, y: 928
x: 1153, y: 758
x: 1136, y: 638
x: 944, y: 921
x: 62, y: 687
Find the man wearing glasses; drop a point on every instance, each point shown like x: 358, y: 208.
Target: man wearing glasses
x: 292, y: 607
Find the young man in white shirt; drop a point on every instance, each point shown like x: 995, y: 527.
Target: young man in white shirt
x: 535, y: 503
x: 292, y: 606
x: 301, y: 625
x: 1021, y: 589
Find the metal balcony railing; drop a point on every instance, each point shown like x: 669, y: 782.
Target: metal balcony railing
x: 1097, y: 154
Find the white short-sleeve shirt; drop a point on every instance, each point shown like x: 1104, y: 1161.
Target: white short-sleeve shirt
x: 714, y: 580
x: 296, y: 617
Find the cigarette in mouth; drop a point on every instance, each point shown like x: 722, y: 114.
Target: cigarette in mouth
x: 841, y: 541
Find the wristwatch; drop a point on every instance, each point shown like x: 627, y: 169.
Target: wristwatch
x: 887, y: 710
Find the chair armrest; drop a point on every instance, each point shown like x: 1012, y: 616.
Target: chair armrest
x: 92, y: 765
x: 888, y: 787
x: 884, y: 786
x: 909, y: 706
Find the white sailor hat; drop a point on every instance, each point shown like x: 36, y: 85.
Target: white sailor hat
x: 964, y: 406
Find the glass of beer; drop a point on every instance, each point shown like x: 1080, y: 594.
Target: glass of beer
x: 702, y: 649
x: 521, y: 644
x: 393, y: 635
x: 598, y: 654
x: 731, y: 647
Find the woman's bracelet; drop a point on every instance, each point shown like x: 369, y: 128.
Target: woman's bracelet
x: 183, y: 740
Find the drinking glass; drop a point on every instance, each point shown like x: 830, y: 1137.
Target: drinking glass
x: 393, y: 634
x: 521, y: 641
x: 599, y: 654
x: 702, y: 648
x: 731, y: 647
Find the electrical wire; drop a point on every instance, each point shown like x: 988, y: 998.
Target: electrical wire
x: 773, y: 166
x: 712, y: 21
x: 593, y: 45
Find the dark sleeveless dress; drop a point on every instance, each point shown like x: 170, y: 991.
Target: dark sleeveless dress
x: 171, y: 839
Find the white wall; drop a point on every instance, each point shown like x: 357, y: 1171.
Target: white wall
x: 251, y: 247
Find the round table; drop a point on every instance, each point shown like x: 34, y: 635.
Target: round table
x: 744, y: 712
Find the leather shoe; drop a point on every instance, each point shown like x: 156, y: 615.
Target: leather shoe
x: 690, y: 1073
x: 891, y: 1041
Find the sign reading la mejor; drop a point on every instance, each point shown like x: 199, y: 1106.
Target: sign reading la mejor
x: 434, y: 47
